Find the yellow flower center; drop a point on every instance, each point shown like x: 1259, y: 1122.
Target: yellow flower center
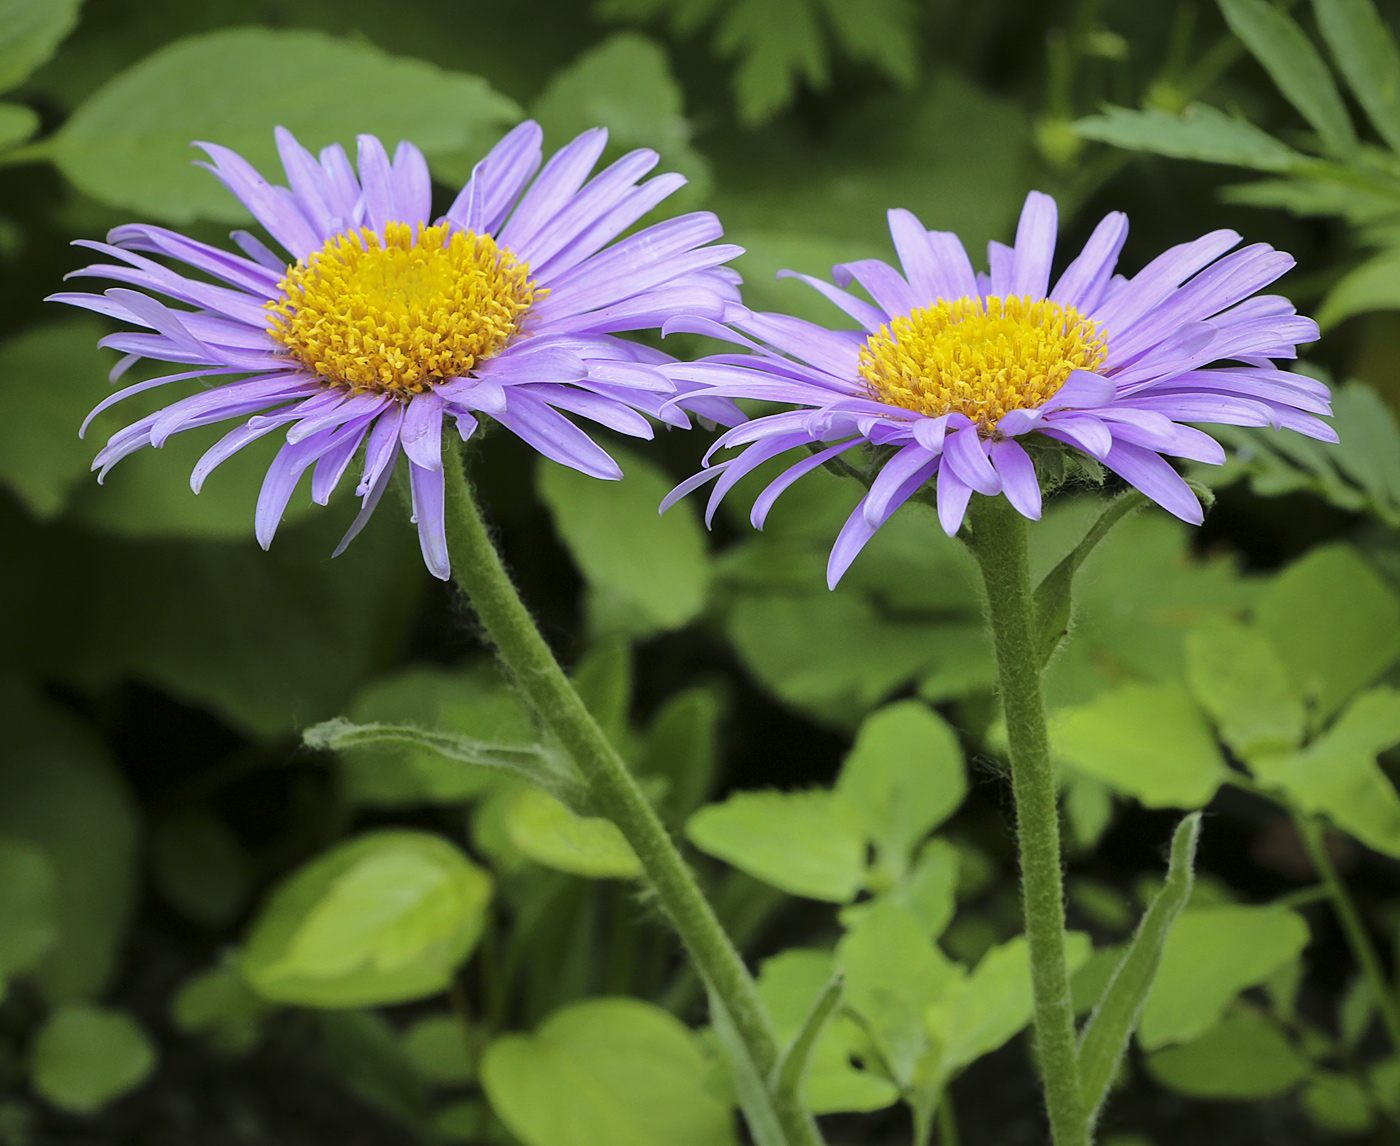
x: 982, y: 359
x: 399, y: 316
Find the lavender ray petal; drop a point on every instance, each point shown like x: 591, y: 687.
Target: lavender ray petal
x: 870, y: 317
x: 377, y: 180
x: 497, y: 180
x: 1082, y: 285
x: 1018, y: 480
x: 288, y: 226
x: 1035, y: 246
x: 968, y: 459
x: 953, y: 496
x: 560, y: 180
x: 881, y: 281
x: 1148, y: 473
x: 421, y: 432
x: 370, y: 501
x: 763, y: 504
x: 413, y: 186
x: 427, y: 487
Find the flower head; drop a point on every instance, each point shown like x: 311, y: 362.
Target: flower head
x: 953, y: 370
x: 378, y: 324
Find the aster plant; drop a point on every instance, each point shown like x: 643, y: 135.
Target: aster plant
x: 378, y: 332
x: 969, y: 389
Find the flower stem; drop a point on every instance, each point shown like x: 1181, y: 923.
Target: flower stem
x: 997, y: 538
x: 1362, y: 949
x: 478, y: 571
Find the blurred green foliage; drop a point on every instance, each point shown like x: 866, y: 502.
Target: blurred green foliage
x: 389, y: 912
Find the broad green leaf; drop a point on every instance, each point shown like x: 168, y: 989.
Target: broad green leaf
x: 1338, y: 1103
x: 647, y: 574
x: 1334, y: 622
x: 1371, y: 454
x: 473, y: 701
x: 30, y: 31
x: 1116, y: 1015
x: 546, y: 831
x: 625, y: 84
x: 219, y: 1004
x: 928, y: 889
x: 893, y: 974
x: 83, y: 1057
x: 1242, y: 1058
x: 17, y: 123
x: 50, y: 377
x: 1088, y: 807
x: 1211, y: 955
x: 789, y: 984
x: 1374, y: 285
x: 615, y: 1071
x: 366, y: 1056
x: 128, y: 145
x: 1337, y: 774
x: 437, y: 1046
x: 200, y: 867
x: 992, y: 1003
x: 382, y: 918
x: 779, y: 46
x: 1313, y: 197
x: 60, y: 793
x: 28, y: 890
x: 1200, y: 132
x: 1149, y: 741
x: 1053, y: 598
x: 905, y: 775
x: 1295, y: 67
x: 269, y: 642
x: 682, y: 745
x: 603, y: 679
x: 1365, y: 53
x: 1237, y: 677
x: 882, y: 32
x: 806, y: 843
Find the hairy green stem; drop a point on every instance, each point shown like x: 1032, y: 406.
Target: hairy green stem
x: 478, y: 571
x: 1354, y: 928
x: 997, y: 538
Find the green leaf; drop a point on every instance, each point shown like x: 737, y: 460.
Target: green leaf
x: 471, y: 721
x: 60, y: 793
x: 994, y: 1002
x: 625, y: 84
x: 1338, y: 1103
x: 1147, y: 740
x: 882, y: 32
x: 17, y: 123
x: 1337, y: 773
x: 928, y: 889
x: 30, y: 31
x: 50, y: 377
x: 751, y: 1088
x: 905, y: 775
x: 383, y: 918
x: 437, y: 1046
x: 779, y: 45
x: 618, y: 1071
x: 1053, y: 597
x: 200, y: 867
x: 1211, y: 955
x: 83, y: 1057
x: 1334, y: 622
x: 546, y: 831
x: 893, y: 975
x: 790, y: 985
x: 682, y: 745
x: 128, y: 145
x: 647, y: 574
x: 1365, y: 53
x: 1237, y: 677
x: 28, y: 890
x: 1296, y: 68
x: 1110, y: 1027
x: 1201, y: 132
x: 603, y: 679
x: 1374, y: 285
x: 1370, y: 449
x: 1243, y: 1058
x: 366, y: 1055
x: 806, y: 843
x: 219, y: 1005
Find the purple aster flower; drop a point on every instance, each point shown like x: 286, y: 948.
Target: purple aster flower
x: 377, y: 325
x: 953, y: 369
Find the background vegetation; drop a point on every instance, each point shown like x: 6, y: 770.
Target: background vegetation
x: 211, y: 931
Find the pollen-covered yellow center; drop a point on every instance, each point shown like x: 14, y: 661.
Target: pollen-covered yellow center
x: 398, y: 316
x: 979, y: 358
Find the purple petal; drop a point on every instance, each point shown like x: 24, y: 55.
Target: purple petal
x: 881, y: 281
x: 953, y: 496
x: 870, y: 317
x: 1035, y: 246
x: 370, y: 495
x: 561, y: 178
x: 377, y: 179
x: 891, y: 478
x: 1084, y: 280
x: 413, y: 186
x: 1018, y: 480
x: 967, y: 457
x: 421, y: 432
x: 763, y: 504
x: 1147, y: 472
x: 284, y: 222
x: 427, y: 488
x: 497, y: 180
x: 859, y: 527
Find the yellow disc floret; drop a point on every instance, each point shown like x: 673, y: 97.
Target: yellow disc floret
x: 982, y: 358
x: 398, y: 316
